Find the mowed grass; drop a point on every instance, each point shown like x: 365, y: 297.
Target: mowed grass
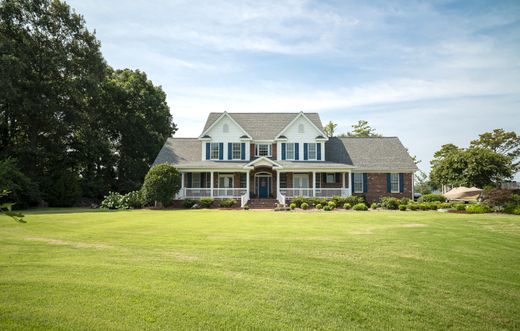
x: 204, y: 269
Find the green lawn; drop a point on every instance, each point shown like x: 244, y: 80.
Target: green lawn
x: 84, y: 269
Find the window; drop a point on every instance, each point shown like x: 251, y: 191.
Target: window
x: 289, y: 151
x: 358, y: 183
x: 331, y: 178
x: 301, y: 128
x: 394, y: 183
x: 283, y: 180
x: 215, y: 151
x: 195, y: 180
x: 243, y: 180
x: 236, y: 151
x: 263, y: 149
x: 225, y: 181
x: 312, y: 151
x: 318, y: 180
x: 225, y: 128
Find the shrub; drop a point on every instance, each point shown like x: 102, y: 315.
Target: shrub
x: 446, y: 205
x: 413, y: 206
x: 304, y: 206
x: 246, y: 207
x: 405, y: 201
x: 354, y: 200
x: 347, y: 206
x: 495, y: 197
x: 390, y: 203
x: 292, y: 206
x: 188, y: 203
x: 423, y: 206
x: 327, y: 208
x: 298, y: 201
x: 459, y: 206
x: 360, y: 207
x: 206, y: 202
x: 512, y: 209
x: 431, y: 198
x: 227, y: 203
x: 319, y: 206
x: 373, y: 205
x: 113, y: 200
x: 432, y: 205
x: 402, y: 207
x: 478, y: 208
x: 133, y: 200
x: 161, y: 184
x: 331, y: 204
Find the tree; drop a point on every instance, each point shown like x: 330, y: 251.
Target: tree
x: 474, y: 166
x: 363, y: 129
x: 503, y: 142
x: 329, y: 129
x: 161, y: 184
x: 422, y: 184
x: 6, y: 208
x: 21, y: 190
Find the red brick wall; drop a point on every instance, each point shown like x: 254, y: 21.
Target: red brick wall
x: 377, y: 187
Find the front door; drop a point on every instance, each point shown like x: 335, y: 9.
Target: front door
x: 263, y: 187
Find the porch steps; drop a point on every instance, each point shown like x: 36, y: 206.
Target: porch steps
x: 262, y: 203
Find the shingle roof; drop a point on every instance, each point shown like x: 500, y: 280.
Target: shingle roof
x: 263, y: 126
x: 374, y: 153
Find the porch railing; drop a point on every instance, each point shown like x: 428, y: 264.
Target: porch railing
x: 308, y: 192
x: 194, y: 193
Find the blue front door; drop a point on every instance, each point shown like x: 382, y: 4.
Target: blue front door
x: 263, y: 187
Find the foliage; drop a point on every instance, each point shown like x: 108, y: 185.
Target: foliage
x: 327, y: 208
x: 292, y: 206
x: 360, y: 207
x: 459, y: 206
x: 188, y: 203
x: 347, y: 206
x: 22, y: 191
x: 133, y: 199
x: 331, y: 204
x: 206, y: 202
x: 402, y: 207
x: 390, y: 203
x: 421, y: 183
x: 413, y: 206
x: 446, y: 205
x: 504, y: 142
x: 363, y: 129
x: 304, y: 206
x: 431, y: 198
x: 247, y: 207
x: 161, y: 184
x: 319, y: 206
x: 114, y: 200
x: 228, y: 203
x: 512, y: 209
x: 373, y: 205
x: 63, y: 190
x: 329, y: 129
x: 496, y: 197
x: 6, y: 208
x: 298, y: 201
x: 478, y: 208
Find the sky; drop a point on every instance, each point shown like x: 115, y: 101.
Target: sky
x: 430, y: 73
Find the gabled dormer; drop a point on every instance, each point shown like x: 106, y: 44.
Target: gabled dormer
x: 225, y: 140
x: 301, y: 140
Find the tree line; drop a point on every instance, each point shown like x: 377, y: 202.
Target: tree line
x: 72, y: 128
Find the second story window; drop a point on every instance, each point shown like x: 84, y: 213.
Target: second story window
x: 214, y: 152
x: 236, y: 151
x: 263, y: 150
x: 290, y: 151
x: 312, y: 151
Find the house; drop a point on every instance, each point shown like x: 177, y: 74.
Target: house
x: 284, y: 155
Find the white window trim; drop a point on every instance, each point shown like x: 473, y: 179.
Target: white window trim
x: 309, y: 152
x: 211, y: 151
x: 354, y: 183
x: 239, y: 151
x: 228, y: 176
x: 287, y: 151
x: 269, y: 150
x: 398, y: 183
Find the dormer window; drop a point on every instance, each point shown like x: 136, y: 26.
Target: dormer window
x: 215, y: 151
x: 225, y: 128
x: 312, y: 151
x: 263, y: 150
x: 301, y: 128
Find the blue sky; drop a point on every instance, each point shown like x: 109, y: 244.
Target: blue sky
x: 428, y: 72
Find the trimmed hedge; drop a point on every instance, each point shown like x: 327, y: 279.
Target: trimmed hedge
x: 431, y: 198
x: 478, y: 209
x: 360, y: 207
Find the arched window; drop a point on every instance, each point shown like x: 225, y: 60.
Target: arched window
x: 225, y: 128
x: 301, y: 128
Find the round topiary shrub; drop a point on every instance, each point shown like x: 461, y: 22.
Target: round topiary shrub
x: 347, y: 206
x: 161, y: 184
x: 331, y: 204
x: 319, y: 206
x: 360, y: 207
x: 292, y: 206
x: 402, y: 207
x: 227, y: 203
x: 373, y: 205
x: 304, y: 206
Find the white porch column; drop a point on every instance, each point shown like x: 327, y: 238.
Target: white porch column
x: 277, y: 182
x: 314, y: 183
x: 211, y: 184
x: 350, y: 182
x: 247, y: 183
x: 181, y: 193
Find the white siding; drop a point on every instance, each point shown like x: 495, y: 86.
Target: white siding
x: 218, y: 135
x: 294, y: 136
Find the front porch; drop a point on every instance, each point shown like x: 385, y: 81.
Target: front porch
x: 263, y: 182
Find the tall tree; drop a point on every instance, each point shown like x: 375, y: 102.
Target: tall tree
x: 504, y: 142
x: 363, y: 129
x: 329, y: 129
